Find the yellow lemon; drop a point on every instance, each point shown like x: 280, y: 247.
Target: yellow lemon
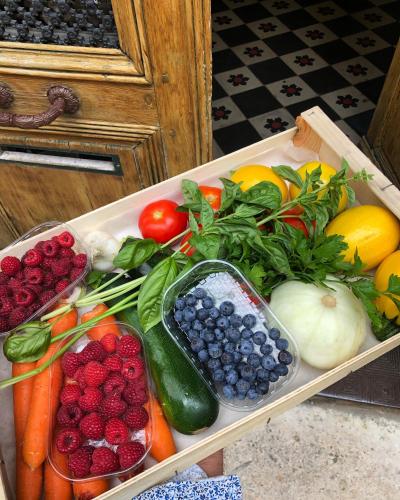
x: 390, y: 265
x: 374, y: 231
x: 326, y: 173
x: 250, y: 175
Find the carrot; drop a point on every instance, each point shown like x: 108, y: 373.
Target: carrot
x: 104, y: 326
x: 90, y: 489
x: 63, y: 322
x: 55, y: 486
x: 28, y: 482
x: 162, y: 441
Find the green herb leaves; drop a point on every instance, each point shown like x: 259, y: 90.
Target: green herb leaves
x: 135, y: 252
x: 28, y: 342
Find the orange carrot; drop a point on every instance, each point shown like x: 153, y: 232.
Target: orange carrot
x: 162, y: 441
x: 90, y: 489
x: 55, y: 486
x: 104, y: 326
x: 63, y: 322
x: 28, y: 481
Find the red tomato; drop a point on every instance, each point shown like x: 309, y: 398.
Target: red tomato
x: 212, y: 195
x: 186, y: 247
x: 160, y: 220
x: 297, y: 210
x: 297, y: 224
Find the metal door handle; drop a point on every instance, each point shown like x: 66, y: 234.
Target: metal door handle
x: 62, y: 100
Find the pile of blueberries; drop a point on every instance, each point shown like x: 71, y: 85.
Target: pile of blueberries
x: 238, y: 358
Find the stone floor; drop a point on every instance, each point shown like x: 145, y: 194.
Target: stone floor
x: 323, y: 449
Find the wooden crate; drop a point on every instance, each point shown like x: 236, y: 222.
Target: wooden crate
x: 315, y: 137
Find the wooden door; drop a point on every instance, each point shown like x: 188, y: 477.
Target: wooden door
x: 383, y: 133
x: 144, y: 104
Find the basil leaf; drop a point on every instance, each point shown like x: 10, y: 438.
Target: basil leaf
x: 28, y: 343
x: 193, y: 223
x: 229, y: 193
x: 394, y: 285
x: 350, y: 194
x: 191, y: 195
x: 152, y: 290
x: 276, y: 255
x: 289, y: 174
x: 95, y: 278
x: 208, y: 245
x: 266, y: 194
x: 238, y: 229
x: 206, y: 214
x: 244, y: 210
x: 135, y: 253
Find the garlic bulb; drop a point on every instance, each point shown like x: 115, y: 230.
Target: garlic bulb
x: 104, y: 248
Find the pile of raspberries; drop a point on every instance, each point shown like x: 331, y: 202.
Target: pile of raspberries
x: 102, y: 406
x: 43, y: 272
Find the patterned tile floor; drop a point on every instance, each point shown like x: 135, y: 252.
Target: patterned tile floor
x: 273, y: 59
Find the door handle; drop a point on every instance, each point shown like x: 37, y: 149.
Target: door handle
x: 62, y: 100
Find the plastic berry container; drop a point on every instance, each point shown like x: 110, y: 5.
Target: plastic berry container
x: 43, y: 232
x: 224, y: 282
x: 64, y: 417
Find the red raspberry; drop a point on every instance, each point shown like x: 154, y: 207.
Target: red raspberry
x: 75, y: 273
x: 136, y: 417
x: 10, y: 265
x: 92, y: 426
x: 50, y: 248
x: 116, y: 431
x: 93, y: 351
x: 66, y: 252
x: 91, y: 400
x: 70, y: 394
x: 104, y: 461
x: 79, y: 377
x: 70, y: 364
x: 4, y: 278
x: 80, y: 461
x: 69, y: 415
x: 34, y: 275
x: 109, y: 342
x: 32, y: 258
x: 113, y: 363
x: 24, y: 297
x: 135, y: 396
x: 68, y: 440
x: 6, y: 306
x: 49, y: 280
x: 130, y: 453
x: 61, y: 285
x: 4, y: 291
x: 15, y: 284
x: 132, y: 368
x: 17, y: 316
x: 47, y: 263
x: 32, y: 309
x: 95, y: 373
x: 79, y: 260
x: 114, y: 385
x: 46, y: 297
x: 66, y: 239
x: 4, y: 326
x: 39, y: 245
x: 61, y: 267
x: 112, y: 406
x: 36, y: 289
x: 128, y: 346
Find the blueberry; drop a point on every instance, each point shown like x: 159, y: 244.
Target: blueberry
x: 252, y: 394
x: 274, y: 334
x: 213, y: 364
x: 268, y: 362
x: 263, y: 388
x: 281, y: 369
x: 226, y: 308
x: 202, y: 314
x: 185, y: 326
x: 232, y: 377
x: 192, y: 334
x: 207, y: 303
x: 207, y: 336
x: 273, y: 376
x: 226, y: 358
x: 249, y: 320
x: 241, y: 396
x: 232, y: 334
x: 197, y: 325
x: 237, y: 357
x: 248, y: 373
x: 178, y: 316
x: 227, y: 368
x: 236, y: 320
x: 180, y: 303
x: 281, y: 344
x: 189, y: 313
x: 254, y: 360
x: 197, y: 345
x: 263, y: 375
x: 210, y: 323
x: 203, y: 355
x: 259, y: 338
x: 246, y: 347
x: 199, y: 293
x: 229, y: 392
x: 214, y: 351
x: 246, y: 333
x: 242, y: 386
x: 223, y: 323
x: 219, y: 334
x: 218, y: 375
x: 229, y: 347
x: 266, y: 349
x: 214, y: 313
x: 285, y: 357
x: 191, y: 299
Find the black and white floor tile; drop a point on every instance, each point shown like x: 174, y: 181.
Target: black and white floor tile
x: 273, y: 59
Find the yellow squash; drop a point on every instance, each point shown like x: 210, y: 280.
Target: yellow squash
x: 250, y: 175
x: 374, y: 231
x: 326, y: 173
x: 390, y: 265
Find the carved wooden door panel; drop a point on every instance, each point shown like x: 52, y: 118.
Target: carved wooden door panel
x: 141, y: 72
